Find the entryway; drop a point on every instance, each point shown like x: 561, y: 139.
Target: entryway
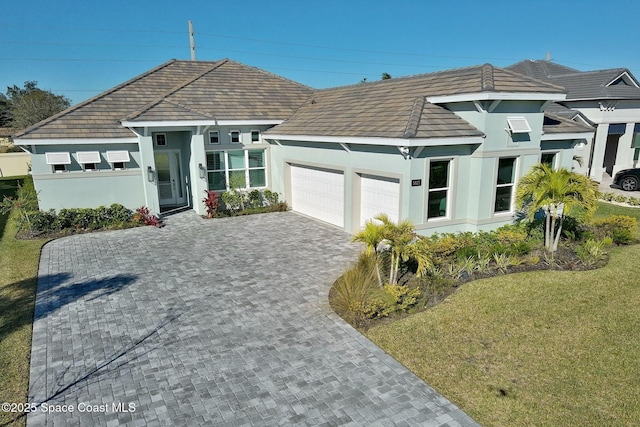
x: 172, y: 188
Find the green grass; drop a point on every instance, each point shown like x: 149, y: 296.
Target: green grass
x: 18, y: 273
x: 534, y: 349
x: 607, y: 209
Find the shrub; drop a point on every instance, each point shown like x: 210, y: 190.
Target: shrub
x: 356, y: 288
x: 256, y: 199
x: 119, y: 214
x: 212, y: 203
x: 620, y: 198
x: 144, y: 216
x: 271, y: 197
x: 634, y: 201
x: 593, y: 251
x: 608, y: 196
x: 619, y: 228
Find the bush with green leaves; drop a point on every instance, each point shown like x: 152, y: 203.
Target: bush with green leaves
x: 592, y: 251
x: 619, y: 228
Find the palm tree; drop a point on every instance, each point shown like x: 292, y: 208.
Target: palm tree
x: 556, y: 193
x: 372, y: 235
x: 400, y: 240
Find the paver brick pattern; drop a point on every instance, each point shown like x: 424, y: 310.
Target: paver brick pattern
x: 212, y: 322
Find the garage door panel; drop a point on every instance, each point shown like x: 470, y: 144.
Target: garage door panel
x: 318, y: 193
x: 379, y: 195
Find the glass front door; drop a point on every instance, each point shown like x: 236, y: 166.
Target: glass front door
x: 171, y: 183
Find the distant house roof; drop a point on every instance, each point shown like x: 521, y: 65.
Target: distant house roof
x: 398, y: 108
x: 611, y: 84
x: 178, y: 90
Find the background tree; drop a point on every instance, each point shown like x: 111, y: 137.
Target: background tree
x: 557, y: 193
x: 386, y: 76
x: 23, y: 107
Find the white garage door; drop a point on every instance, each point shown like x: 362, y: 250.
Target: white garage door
x: 318, y: 193
x: 379, y: 195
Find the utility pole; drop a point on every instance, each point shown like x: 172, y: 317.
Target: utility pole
x: 192, y: 43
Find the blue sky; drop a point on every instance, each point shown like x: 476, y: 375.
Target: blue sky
x: 81, y: 48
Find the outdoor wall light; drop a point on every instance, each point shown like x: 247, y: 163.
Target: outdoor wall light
x: 404, y: 151
x: 203, y: 171
x: 150, y: 175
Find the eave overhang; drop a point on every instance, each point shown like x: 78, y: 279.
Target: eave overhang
x: 503, y: 96
x: 566, y: 136
x: 179, y: 123
x: 393, y: 142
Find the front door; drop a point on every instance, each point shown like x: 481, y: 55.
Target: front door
x: 171, y: 183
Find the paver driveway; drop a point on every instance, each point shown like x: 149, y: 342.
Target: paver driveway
x: 221, y: 322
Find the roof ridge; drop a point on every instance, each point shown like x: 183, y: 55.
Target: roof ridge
x: 411, y: 129
x: 401, y: 78
x: 534, y: 79
x: 487, y: 83
x: 173, y: 90
x: 93, y: 99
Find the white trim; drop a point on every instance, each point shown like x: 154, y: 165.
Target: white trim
x: 209, y: 137
x: 561, y: 136
x: 507, y: 96
x: 251, y: 136
x: 231, y: 132
x: 393, y: 142
x: 76, y: 141
x: 172, y: 123
x: 164, y: 137
x: 85, y: 157
x: 58, y: 158
x: 627, y: 79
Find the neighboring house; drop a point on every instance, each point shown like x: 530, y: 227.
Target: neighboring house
x: 608, y: 99
x: 444, y: 150
x: 5, y: 136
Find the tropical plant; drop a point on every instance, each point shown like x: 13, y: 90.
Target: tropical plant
x: 211, y: 202
x: 399, y: 241
x: 556, y: 193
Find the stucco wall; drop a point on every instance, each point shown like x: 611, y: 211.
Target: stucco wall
x: 14, y: 164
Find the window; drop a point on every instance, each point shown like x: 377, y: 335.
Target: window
x: 549, y: 159
x: 505, y: 184
x: 235, y: 136
x: 161, y: 139
x: 58, y: 161
x: 88, y: 159
x: 117, y: 159
x: 255, y: 136
x: 243, y: 168
x: 438, y: 189
x: 214, y: 137
x: 635, y: 142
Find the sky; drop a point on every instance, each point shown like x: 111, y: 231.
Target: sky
x: 82, y: 48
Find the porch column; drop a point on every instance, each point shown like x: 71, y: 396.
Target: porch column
x: 624, y: 157
x: 147, y: 160
x: 600, y: 144
x: 198, y: 184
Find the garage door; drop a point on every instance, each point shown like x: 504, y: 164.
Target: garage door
x: 379, y: 195
x: 318, y: 193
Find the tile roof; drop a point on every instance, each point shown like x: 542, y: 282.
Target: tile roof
x: 580, y: 85
x: 397, y: 108
x: 178, y: 90
x: 554, y: 124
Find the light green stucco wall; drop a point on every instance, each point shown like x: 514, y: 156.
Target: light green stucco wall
x: 79, y: 189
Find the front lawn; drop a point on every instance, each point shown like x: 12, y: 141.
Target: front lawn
x: 547, y: 348
x: 18, y: 279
